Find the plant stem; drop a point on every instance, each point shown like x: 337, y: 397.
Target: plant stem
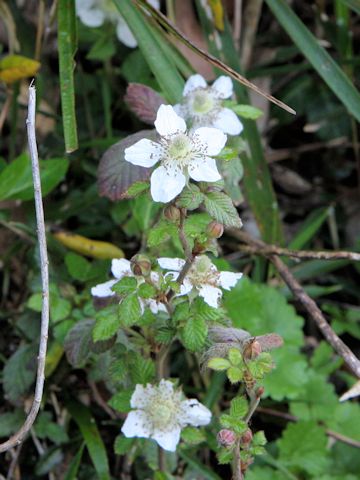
x: 18, y: 437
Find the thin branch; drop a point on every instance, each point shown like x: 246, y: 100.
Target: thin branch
x: 308, y: 303
x: 237, y: 472
x: 18, y: 437
x: 301, y: 254
x: 291, y: 418
x: 172, y: 30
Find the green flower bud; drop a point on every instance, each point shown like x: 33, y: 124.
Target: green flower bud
x: 172, y: 213
x: 140, y: 265
x: 215, y: 229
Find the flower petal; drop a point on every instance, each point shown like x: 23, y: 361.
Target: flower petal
x: 171, y: 263
x: 142, y: 396
x: 167, y: 440
x: 120, y: 267
x: 137, y: 425
x: 166, y: 184
x: 155, y: 307
x: 193, y: 82
x: 168, y: 122
x: 194, y: 413
x: 229, y: 279
x: 124, y: 34
x: 185, y: 288
x: 144, y: 153
x: 210, y: 294
x: 91, y: 17
x: 103, y: 290
x: 223, y: 86
x: 212, y: 139
x: 228, y: 122
x: 204, y: 170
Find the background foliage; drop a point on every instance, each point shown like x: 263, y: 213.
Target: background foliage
x: 299, y: 187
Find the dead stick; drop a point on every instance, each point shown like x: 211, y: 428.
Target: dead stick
x: 18, y: 437
x: 301, y: 254
x: 308, y: 303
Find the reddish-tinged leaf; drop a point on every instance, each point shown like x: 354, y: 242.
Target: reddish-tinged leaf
x: 115, y: 174
x: 143, y: 101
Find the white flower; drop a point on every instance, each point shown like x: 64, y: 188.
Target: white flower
x: 181, y: 155
x: 203, y: 276
x: 202, y: 105
x: 94, y: 13
x: 160, y: 412
x: 121, y: 268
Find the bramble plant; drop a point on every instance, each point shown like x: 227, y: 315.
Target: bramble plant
x: 159, y: 301
x: 149, y: 332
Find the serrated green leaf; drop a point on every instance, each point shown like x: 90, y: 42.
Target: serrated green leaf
x: 219, y: 364
x: 141, y: 370
x: 260, y: 365
x: 146, y: 290
x: 224, y: 456
x: 16, y: 178
x: 221, y: 208
x: 123, y: 444
x: 194, y: 334
x: 137, y: 189
x: 235, y: 357
x: 107, y: 323
x: 77, y: 342
x: 11, y: 422
x: 161, y: 233
x: 192, y: 435
x: 125, y: 285
x: 45, y: 428
x: 129, y: 310
x: 190, y: 198
x: 121, y: 401
x: 77, y: 266
x: 19, y: 372
x: 238, y: 407
x: 165, y: 334
x: 234, y: 374
x: 304, y: 447
x: 199, y: 308
x: 247, y: 111
x: 259, y: 438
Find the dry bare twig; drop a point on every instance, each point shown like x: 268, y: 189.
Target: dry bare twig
x: 19, y: 436
x: 300, y: 254
x: 308, y: 303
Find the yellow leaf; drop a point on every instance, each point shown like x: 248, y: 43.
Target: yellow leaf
x: 16, y: 67
x: 86, y: 246
x: 53, y: 357
x: 218, y: 13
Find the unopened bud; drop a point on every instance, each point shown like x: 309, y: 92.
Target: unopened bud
x: 260, y: 392
x: 172, y: 213
x: 140, y: 265
x: 247, y: 437
x: 226, y: 437
x: 215, y: 229
x: 252, y: 350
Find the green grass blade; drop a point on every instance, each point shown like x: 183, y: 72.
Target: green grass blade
x: 72, y: 471
x: 257, y: 180
x: 92, y: 438
x: 353, y: 4
x: 309, y: 228
x: 322, y: 62
x: 67, y: 46
x: 163, y: 68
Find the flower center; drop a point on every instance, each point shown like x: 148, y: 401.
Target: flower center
x: 180, y: 149
x: 203, y: 102
x: 203, y: 272
x: 161, y: 413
